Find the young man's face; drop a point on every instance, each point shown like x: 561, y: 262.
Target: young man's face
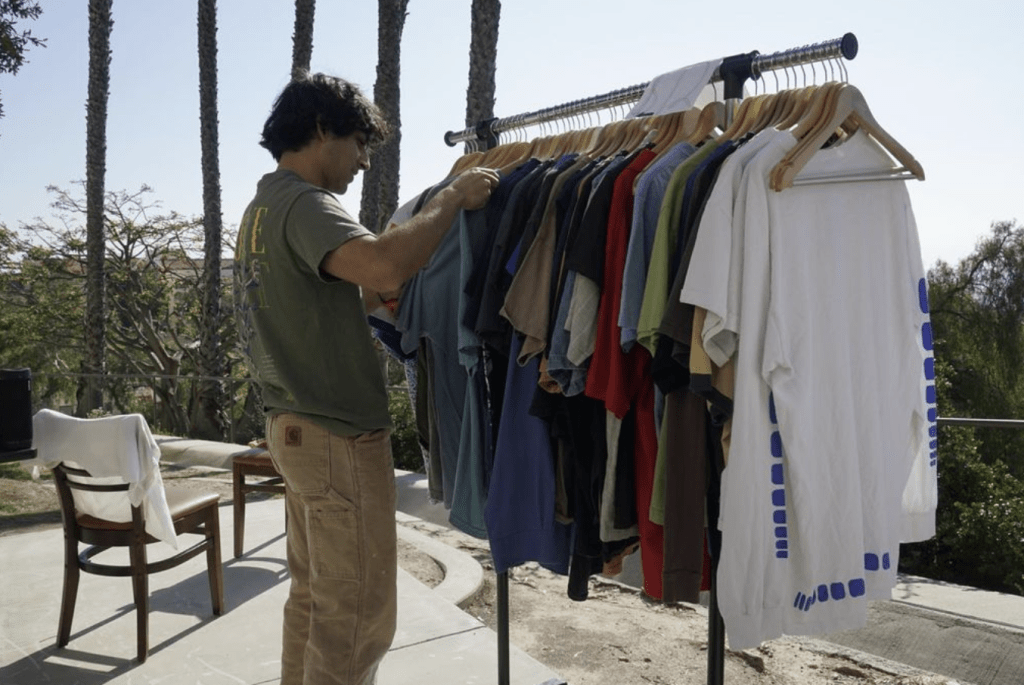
x: 342, y: 158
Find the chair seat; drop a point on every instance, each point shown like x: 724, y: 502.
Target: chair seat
x: 181, y: 501
x: 259, y: 464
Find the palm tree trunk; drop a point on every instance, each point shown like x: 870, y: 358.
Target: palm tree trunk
x: 100, y: 26
x: 483, y: 58
x: 302, y: 39
x: 380, y: 183
x: 209, y: 419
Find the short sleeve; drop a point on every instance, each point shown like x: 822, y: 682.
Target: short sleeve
x: 318, y: 224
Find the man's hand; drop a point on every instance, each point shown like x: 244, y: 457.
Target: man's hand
x: 474, y: 186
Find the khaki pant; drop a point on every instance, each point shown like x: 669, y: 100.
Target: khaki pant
x: 339, y: 619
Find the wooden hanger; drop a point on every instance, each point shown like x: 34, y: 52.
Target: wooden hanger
x: 639, y: 133
x: 770, y: 112
x: 607, y: 137
x: 819, y: 109
x: 544, y: 147
x: 465, y: 162
x: 798, y: 104
x: 517, y: 153
x: 711, y: 117
x: 745, y: 117
x: 847, y: 106
x: 665, y: 127
x: 678, y: 127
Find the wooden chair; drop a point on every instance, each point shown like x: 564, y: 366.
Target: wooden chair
x: 256, y: 463
x: 191, y: 512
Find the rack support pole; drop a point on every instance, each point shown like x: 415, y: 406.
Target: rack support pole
x: 503, y: 638
x: 716, y: 636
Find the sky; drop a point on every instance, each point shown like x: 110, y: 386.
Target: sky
x: 937, y: 75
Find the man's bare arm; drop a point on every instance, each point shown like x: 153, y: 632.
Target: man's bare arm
x: 383, y: 263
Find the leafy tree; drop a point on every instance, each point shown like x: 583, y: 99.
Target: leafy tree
x: 977, y: 310
x: 977, y: 313
x: 38, y: 329
x: 154, y: 266
x: 14, y: 43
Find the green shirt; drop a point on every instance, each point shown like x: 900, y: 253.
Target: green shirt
x: 303, y: 332
x: 657, y: 285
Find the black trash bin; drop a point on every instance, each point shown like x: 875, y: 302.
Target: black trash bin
x: 15, y: 410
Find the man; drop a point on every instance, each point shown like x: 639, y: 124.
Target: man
x: 300, y: 266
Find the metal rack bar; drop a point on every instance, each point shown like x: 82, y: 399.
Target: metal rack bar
x: 733, y: 71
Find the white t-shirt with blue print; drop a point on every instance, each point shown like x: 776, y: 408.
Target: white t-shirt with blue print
x: 831, y: 463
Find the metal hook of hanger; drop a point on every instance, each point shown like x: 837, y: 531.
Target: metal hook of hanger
x: 775, y: 75
x: 804, y: 72
x: 846, y: 75
x: 814, y: 74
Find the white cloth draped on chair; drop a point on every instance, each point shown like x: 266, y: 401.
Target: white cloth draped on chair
x: 120, y: 448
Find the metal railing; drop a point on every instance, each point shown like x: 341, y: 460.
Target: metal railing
x: 148, y: 403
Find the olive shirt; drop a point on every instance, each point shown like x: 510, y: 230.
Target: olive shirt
x: 303, y: 332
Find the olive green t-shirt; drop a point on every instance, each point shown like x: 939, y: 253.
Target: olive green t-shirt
x: 303, y: 332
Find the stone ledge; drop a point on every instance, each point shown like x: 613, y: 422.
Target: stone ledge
x: 463, y: 576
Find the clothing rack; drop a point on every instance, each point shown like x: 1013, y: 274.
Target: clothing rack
x: 733, y: 73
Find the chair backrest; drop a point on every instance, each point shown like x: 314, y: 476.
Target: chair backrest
x: 70, y: 479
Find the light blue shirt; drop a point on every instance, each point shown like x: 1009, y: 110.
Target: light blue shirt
x: 650, y: 189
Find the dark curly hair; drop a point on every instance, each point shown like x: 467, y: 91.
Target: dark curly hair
x: 317, y: 100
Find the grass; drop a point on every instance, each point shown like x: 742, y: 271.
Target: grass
x: 14, y: 471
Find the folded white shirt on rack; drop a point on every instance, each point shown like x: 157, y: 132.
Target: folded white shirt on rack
x: 677, y: 90
x: 119, y: 448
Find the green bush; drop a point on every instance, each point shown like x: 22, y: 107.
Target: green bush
x: 979, y: 537
x: 405, y: 444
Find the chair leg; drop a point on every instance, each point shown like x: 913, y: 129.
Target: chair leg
x: 70, y: 595
x: 239, y: 508
x: 140, y: 590
x: 213, y: 563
